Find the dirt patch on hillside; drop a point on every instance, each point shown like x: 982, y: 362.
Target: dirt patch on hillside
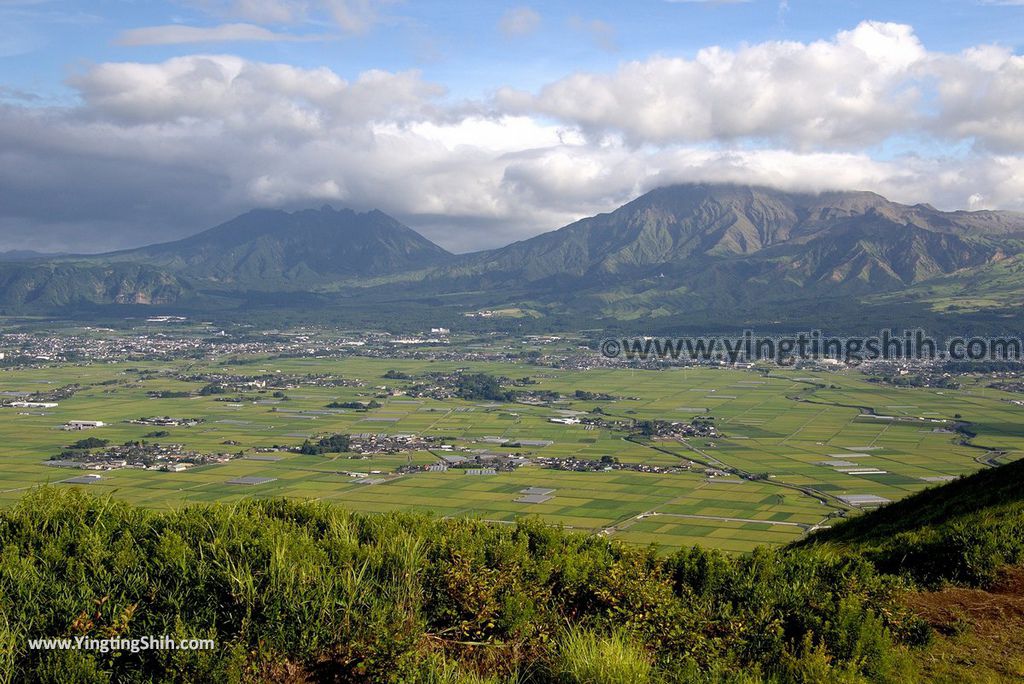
x: 983, y: 608
x: 980, y: 631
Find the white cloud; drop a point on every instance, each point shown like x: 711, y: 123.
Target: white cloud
x: 232, y: 93
x: 850, y: 91
x: 861, y: 88
x: 504, y: 134
x: 519, y: 21
x: 353, y: 16
x: 157, y: 150
x: 173, y: 34
x: 981, y: 96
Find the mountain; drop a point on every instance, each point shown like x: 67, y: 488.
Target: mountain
x: 992, y: 287
x: 48, y: 284
x: 710, y: 253
x: 268, y: 248
x: 831, y: 236
x: 700, y: 247
x: 262, y: 251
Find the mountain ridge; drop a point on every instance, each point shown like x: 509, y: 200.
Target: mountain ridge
x: 671, y: 251
x: 302, y: 246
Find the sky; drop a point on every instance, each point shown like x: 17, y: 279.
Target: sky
x: 129, y: 122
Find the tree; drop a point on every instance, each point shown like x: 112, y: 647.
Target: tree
x: 334, y: 444
x: 89, y: 443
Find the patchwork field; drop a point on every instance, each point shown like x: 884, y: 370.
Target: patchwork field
x: 798, y: 440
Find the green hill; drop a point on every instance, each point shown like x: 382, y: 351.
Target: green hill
x: 264, y: 251
x: 306, y: 592
x: 963, y: 531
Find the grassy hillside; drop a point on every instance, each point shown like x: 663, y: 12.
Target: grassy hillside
x: 963, y: 531
x: 306, y: 592
x: 966, y: 539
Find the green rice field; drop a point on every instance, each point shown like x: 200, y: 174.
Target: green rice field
x: 809, y: 437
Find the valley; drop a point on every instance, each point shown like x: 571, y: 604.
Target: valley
x: 788, y: 451
x: 376, y: 342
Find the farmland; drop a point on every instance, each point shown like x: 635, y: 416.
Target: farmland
x: 792, y: 442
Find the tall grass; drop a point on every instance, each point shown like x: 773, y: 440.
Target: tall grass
x: 584, y: 657
x: 308, y: 592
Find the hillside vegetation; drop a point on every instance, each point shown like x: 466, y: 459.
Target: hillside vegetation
x: 963, y: 531
x: 298, y: 592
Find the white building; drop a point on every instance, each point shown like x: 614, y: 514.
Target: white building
x: 83, y: 424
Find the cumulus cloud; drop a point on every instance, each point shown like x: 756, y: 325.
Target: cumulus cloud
x: 859, y: 89
x: 519, y: 21
x: 981, y: 96
x: 850, y: 91
x: 231, y: 94
x: 155, y: 151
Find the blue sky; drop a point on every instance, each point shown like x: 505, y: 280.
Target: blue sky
x: 123, y: 121
x: 461, y: 44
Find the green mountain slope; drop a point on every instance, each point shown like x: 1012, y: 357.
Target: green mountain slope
x: 995, y: 287
x: 262, y: 251
x: 728, y: 254
x: 307, y: 592
x: 962, y: 531
x: 718, y: 251
x: 835, y: 235
x: 269, y: 248
x: 32, y: 284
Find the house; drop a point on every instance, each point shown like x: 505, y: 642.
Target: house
x: 83, y: 424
